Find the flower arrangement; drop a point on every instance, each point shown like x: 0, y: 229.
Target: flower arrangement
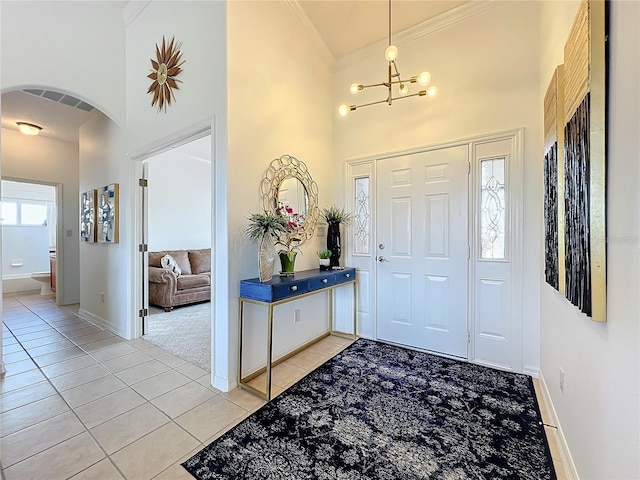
x: 279, y: 227
x: 336, y: 215
x: 291, y: 221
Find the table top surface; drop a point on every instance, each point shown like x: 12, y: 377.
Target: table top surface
x: 297, y: 276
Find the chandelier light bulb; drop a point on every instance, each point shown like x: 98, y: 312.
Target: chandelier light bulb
x: 403, y: 90
x: 343, y: 110
x: 424, y: 78
x: 355, y: 88
x: 432, y: 91
x: 391, y: 53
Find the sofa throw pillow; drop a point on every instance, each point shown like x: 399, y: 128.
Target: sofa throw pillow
x: 169, y: 263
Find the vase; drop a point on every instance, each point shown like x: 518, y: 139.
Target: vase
x: 266, y: 258
x: 333, y: 244
x: 325, y: 263
x: 287, y: 262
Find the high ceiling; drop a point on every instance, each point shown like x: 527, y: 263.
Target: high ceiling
x: 345, y: 26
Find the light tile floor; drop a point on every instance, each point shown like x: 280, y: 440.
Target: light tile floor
x: 78, y: 402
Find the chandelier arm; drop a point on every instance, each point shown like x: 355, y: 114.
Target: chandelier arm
x: 372, y: 103
x: 383, y: 84
x: 421, y: 93
x: 396, y: 82
x: 395, y: 67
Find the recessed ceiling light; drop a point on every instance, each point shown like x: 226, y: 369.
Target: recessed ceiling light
x: 29, y: 128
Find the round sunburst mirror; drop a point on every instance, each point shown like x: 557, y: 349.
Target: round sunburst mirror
x: 164, y: 70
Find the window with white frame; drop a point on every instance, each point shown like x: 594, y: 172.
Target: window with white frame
x: 24, y: 212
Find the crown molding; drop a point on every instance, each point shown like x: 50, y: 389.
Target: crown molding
x: 436, y: 24
x: 312, y: 32
x: 132, y: 9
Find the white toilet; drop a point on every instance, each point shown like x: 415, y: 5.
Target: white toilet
x: 45, y: 279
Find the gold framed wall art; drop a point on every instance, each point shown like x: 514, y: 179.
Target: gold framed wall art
x: 579, y: 180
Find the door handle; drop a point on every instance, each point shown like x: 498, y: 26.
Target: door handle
x: 382, y: 259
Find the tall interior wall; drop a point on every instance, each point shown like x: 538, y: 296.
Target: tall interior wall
x: 279, y: 103
x: 485, y: 67
x: 599, y: 408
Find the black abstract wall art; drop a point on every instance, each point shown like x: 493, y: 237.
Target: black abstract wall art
x: 552, y: 274
x: 577, y: 201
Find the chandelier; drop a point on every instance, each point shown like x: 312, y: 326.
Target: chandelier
x: 393, y: 78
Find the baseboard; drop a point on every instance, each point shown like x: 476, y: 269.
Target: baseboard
x: 20, y: 284
x: 224, y: 384
x: 102, y: 323
x: 567, y: 460
x: 531, y: 371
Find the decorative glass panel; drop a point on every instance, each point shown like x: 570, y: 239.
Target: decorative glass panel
x: 362, y: 217
x: 492, y: 209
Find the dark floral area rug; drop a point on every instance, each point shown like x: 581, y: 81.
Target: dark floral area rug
x: 380, y: 412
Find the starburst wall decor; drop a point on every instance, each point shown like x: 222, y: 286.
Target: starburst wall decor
x: 165, y: 68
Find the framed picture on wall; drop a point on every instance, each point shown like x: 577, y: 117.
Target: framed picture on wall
x: 108, y: 208
x: 88, y: 216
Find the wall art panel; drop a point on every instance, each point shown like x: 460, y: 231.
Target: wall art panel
x: 585, y: 160
x: 88, y: 216
x: 108, y: 214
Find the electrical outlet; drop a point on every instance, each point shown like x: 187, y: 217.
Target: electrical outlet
x: 562, y: 380
x: 102, y: 297
x: 296, y: 316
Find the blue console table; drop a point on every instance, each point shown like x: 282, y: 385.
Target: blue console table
x: 281, y: 290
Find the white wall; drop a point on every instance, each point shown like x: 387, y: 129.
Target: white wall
x: 179, y: 202
x: 201, y: 27
x: 486, y: 70
x: 71, y: 47
x: 25, y: 244
x: 279, y: 103
x: 76, y: 48
x: 599, y: 409
x: 45, y: 160
x: 106, y: 268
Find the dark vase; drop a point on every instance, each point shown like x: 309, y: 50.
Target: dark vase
x: 333, y: 244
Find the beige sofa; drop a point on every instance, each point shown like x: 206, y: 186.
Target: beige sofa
x: 193, y: 285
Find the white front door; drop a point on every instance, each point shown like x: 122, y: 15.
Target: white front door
x: 422, y: 247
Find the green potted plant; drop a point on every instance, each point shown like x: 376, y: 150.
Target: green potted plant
x: 324, y: 259
x: 267, y: 227
x: 335, y: 216
x: 289, y: 241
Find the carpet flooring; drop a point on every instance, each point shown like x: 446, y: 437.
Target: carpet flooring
x: 185, y: 332
x: 380, y: 412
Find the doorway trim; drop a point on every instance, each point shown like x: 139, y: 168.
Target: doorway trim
x: 355, y: 167
x: 140, y: 294
x: 59, y: 293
